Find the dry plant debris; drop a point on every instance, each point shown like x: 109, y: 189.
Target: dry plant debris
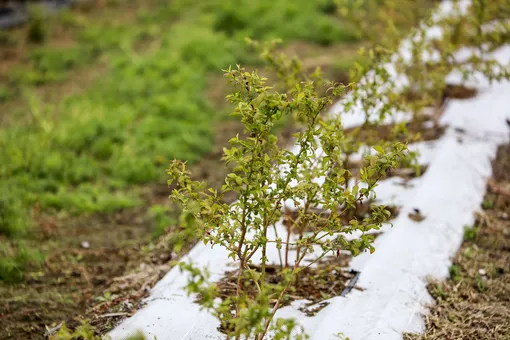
x: 328, y: 278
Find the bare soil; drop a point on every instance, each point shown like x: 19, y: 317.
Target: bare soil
x: 74, y: 273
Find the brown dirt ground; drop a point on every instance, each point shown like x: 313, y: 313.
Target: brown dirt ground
x: 475, y: 302
x: 72, y: 275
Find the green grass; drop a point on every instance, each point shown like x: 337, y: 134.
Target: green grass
x: 14, y: 261
x: 470, y: 233
x: 91, y: 152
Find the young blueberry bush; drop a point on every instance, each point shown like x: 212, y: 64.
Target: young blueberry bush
x: 266, y: 178
x: 314, y: 178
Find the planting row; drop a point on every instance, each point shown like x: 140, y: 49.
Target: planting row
x: 277, y: 261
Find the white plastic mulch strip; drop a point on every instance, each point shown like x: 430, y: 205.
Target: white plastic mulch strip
x: 393, y: 280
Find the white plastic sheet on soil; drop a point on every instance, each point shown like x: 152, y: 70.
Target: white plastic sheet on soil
x: 394, y: 278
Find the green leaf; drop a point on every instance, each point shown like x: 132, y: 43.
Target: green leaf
x: 355, y: 190
x: 239, y: 180
x: 379, y: 149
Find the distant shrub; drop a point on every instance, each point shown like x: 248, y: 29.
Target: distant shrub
x: 37, y: 28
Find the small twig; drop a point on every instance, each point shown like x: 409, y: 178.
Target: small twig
x: 110, y: 315
x: 332, y: 287
x: 51, y: 331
